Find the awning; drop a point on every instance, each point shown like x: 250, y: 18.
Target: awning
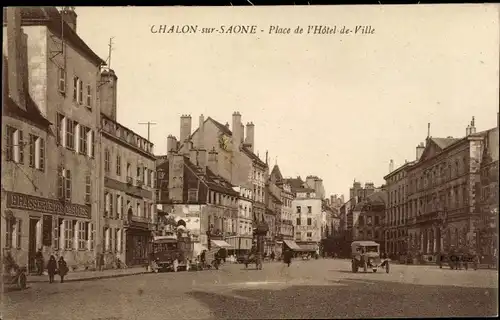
x: 292, y: 245
x: 221, y: 244
x: 198, y: 248
x: 308, y: 247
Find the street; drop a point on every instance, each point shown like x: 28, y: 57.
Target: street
x: 308, y: 289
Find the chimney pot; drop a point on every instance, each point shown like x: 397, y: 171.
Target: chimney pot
x: 185, y: 128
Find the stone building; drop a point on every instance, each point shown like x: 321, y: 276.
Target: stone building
x: 442, y: 193
x: 128, y: 184
x: 242, y: 240
x: 285, y: 231
x: 60, y: 210
x: 273, y: 218
x: 487, y: 192
x: 370, y: 214
x: 307, y: 215
x: 396, y: 211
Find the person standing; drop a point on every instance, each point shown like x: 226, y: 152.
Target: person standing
x: 39, y: 262
x: 272, y: 256
x: 288, y: 257
x: 51, y: 268
x: 63, y: 268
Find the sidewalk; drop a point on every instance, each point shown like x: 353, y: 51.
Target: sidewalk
x: 90, y: 275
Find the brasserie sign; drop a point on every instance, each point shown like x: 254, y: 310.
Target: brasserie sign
x: 27, y: 202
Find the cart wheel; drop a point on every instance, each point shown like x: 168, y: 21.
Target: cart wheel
x: 21, y: 281
x: 387, y: 268
x: 365, y: 266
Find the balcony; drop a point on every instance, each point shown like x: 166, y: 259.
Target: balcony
x: 130, y: 181
x: 139, y: 222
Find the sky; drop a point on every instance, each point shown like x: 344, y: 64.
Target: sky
x: 336, y: 106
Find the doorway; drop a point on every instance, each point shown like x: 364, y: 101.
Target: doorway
x: 32, y: 244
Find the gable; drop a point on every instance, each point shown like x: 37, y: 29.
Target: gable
x: 430, y: 151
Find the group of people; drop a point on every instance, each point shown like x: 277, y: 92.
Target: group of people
x: 53, y: 266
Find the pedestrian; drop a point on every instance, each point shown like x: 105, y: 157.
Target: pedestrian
x: 63, y: 268
x: 39, y: 262
x: 51, y: 268
x: 288, y: 257
x: 272, y: 256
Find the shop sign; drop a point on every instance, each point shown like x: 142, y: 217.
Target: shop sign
x: 27, y: 202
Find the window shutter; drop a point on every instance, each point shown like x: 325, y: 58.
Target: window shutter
x: 19, y: 233
x: 75, y: 88
x: 111, y: 212
x: 21, y: 147
x: 55, y: 242
x: 80, y: 91
x: 9, y: 144
x: 60, y: 191
x: 68, y: 186
x: 32, y: 150
x: 92, y: 144
x: 42, y: 154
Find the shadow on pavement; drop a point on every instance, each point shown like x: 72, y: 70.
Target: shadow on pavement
x: 350, y: 298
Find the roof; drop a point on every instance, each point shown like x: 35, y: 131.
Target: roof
x: 253, y: 156
x: 277, y: 173
x: 52, y: 19
x: 213, y: 181
x: 32, y: 112
x: 376, y: 198
x: 303, y: 189
x: 364, y: 243
x: 399, y: 169
x: 444, y: 143
x: 295, y: 183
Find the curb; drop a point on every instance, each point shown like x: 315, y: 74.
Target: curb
x: 92, y: 278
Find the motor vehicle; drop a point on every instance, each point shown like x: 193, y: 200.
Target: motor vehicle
x: 458, y: 259
x: 171, y: 252
x: 13, y: 275
x: 366, y: 255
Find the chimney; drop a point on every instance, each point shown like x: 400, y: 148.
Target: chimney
x: 108, y: 93
x: 201, y: 133
x: 202, y: 159
x: 242, y: 130
x: 171, y: 144
x: 236, y: 130
x: 467, y: 131
x: 14, y: 55
x: 193, y: 156
x: 213, y: 161
x: 250, y: 135
x: 185, y: 128
x: 391, y: 166
x: 420, y: 150
x: 69, y: 16
x: 187, y: 147
x: 176, y: 178
x: 472, y: 126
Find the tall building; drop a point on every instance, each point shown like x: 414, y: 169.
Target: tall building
x: 62, y: 76
x: 128, y: 184
x: 442, y: 193
x: 396, y: 211
x: 307, y: 215
x: 242, y: 240
x: 370, y: 214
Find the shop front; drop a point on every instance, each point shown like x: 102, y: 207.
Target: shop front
x: 138, y: 236
x: 34, y: 223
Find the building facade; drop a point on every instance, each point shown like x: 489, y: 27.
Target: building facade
x: 442, y: 194
x: 396, y: 211
x: 63, y: 76
x: 370, y: 221
x: 128, y: 187
x: 242, y: 242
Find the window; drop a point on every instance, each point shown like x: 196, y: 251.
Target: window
x: 309, y: 234
x: 64, y: 190
x: 129, y: 169
x: 107, y: 200
x: 80, y: 91
x: 298, y: 209
x: 138, y: 172
x: 138, y: 209
x: 60, y: 129
x: 91, y: 235
x: 377, y: 220
x: 83, y: 135
x: 309, y: 209
x: 68, y: 234
x: 107, y: 160
x: 70, y: 134
x: 62, y: 80
x: 298, y: 235
x: 298, y: 221
x: 118, y: 165
x: 192, y: 195
x: 76, y: 83
x: 82, y: 235
x: 9, y: 226
x: 89, y: 97
x: 14, y: 145
x: 309, y: 221
x: 36, y: 152
x: 88, y: 189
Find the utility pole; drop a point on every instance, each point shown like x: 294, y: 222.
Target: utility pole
x: 149, y: 124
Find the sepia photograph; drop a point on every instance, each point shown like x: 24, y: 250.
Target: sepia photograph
x: 250, y: 162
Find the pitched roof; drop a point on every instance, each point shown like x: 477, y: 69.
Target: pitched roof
x: 444, y: 143
x: 52, y: 19
x: 295, y: 183
x: 213, y: 181
x: 277, y: 173
x: 253, y: 156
